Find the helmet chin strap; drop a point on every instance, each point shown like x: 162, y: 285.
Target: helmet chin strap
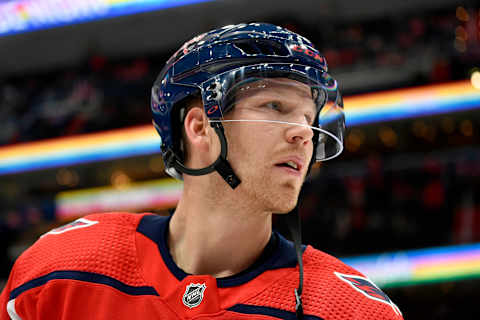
x: 220, y: 165
x: 294, y: 225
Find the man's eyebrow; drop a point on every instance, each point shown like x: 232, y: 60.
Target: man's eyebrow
x: 276, y: 92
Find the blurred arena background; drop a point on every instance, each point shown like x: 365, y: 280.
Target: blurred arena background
x: 402, y: 203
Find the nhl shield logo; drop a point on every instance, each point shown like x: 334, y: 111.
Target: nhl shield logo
x: 193, y: 295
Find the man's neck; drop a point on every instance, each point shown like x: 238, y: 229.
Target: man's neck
x: 215, y: 236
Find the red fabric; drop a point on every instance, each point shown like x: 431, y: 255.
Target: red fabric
x: 112, y: 247
x: 324, y: 295
x: 106, y: 248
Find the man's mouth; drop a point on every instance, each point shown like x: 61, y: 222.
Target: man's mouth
x: 290, y: 164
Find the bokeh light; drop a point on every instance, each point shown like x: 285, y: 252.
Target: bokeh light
x: 462, y: 14
x: 120, y: 179
x: 475, y: 79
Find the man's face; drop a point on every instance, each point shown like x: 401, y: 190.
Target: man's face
x: 271, y: 152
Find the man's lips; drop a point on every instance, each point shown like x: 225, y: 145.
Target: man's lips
x: 293, y: 163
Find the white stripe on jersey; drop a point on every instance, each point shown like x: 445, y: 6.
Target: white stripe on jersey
x: 11, y: 310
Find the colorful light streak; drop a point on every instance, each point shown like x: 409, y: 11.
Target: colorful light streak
x: 420, y: 266
x: 143, y: 140
x: 158, y: 194
x: 79, y: 149
x: 30, y: 15
x: 411, y: 103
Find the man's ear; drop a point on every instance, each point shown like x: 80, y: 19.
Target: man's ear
x: 196, y: 128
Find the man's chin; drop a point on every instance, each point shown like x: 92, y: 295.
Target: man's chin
x: 285, y: 205
x: 281, y: 199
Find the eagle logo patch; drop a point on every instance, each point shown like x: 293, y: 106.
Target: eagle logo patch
x: 79, y: 223
x: 369, y: 289
x: 193, y: 295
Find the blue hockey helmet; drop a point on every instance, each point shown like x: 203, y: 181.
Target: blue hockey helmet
x: 211, y: 64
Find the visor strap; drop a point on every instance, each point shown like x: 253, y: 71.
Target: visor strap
x: 220, y: 165
x: 294, y: 225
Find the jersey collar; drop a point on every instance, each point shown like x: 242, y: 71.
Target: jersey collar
x: 279, y: 253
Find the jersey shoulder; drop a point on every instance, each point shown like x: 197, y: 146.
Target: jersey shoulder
x: 331, y: 290
x: 344, y: 289
x: 97, y: 244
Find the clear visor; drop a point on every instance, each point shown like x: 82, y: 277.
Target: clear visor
x: 284, y: 95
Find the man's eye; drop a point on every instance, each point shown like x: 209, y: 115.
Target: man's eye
x: 273, y: 105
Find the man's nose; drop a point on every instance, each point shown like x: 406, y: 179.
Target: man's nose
x: 299, y: 133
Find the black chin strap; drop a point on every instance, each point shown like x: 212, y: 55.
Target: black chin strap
x: 220, y: 165
x: 294, y: 225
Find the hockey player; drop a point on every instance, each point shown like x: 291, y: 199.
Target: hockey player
x: 242, y: 112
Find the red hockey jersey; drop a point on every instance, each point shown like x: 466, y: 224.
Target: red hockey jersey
x: 117, y: 266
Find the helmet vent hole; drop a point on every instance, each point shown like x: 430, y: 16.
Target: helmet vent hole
x: 246, y: 47
x: 268, y: 48
x: 265, y: 48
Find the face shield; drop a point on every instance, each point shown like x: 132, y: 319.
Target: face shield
x: 280, y: 94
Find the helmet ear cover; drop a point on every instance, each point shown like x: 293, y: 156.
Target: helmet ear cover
x: 220, y: 165
x: 175, y: 156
